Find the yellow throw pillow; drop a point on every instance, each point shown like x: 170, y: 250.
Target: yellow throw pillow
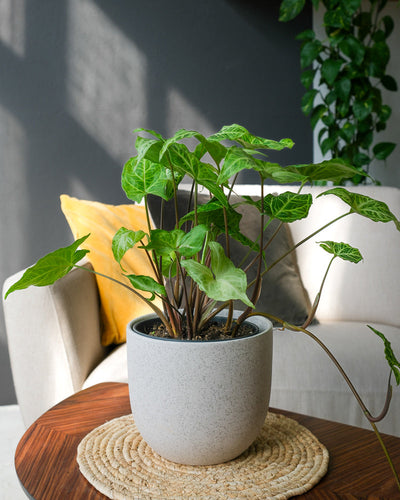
x: 118, y: 305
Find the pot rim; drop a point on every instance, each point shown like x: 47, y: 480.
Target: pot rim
x: 261, y: 330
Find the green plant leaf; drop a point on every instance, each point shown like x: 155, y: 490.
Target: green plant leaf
x: 216, y: 150
x: 125, y: 239
x: 364, y: 22
x: 309, y: 52
x: 238, y: 159
x: 394, y: 364
x: 307, y: 78
x: 186, y: 163
x: 212, y: 213
x: 383, y: 149
x: 167, y: 243
x: 389, y: 83
x: 306, y: 35
x: 342, y: 250
x: 335, y: 170
x: 148, y: 149
x: 140, y: 178
x: 362, y: 109
x: 282, y: 175
x: 378, y: 56
x: 51, y: 267
x: 374, y: 210
x: 146, y: 284
x: 385, y: 112
x: 389, y: 25
x: 223, y: 281
x: 148, y: 131
x: 289, y: 9
x: 318, y: 113
x: 353, y: 49
x: 330, y: 69
x: 361, y: 159
x: 307, y: 101
x: 328, y: 144
x: 288, y: 206
x: 348, y: 131
x: 338, y: 17
x: 247, y: 140
x: 343, y: 88
x: 351, y: 6
x: 193, y: 241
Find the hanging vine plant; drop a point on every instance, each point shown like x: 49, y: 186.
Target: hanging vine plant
x: 344, y: 75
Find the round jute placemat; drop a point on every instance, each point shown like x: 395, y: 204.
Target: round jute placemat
x: 285, y: 460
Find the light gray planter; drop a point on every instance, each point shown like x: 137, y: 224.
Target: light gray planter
x: 196, y: 402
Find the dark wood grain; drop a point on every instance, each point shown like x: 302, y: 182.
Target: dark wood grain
x: 45, y: 459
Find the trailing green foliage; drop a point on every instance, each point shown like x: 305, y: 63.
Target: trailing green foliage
x: 343, y: 75
x: 394, y: 364
x: 51, y: 267
x: 342, y: 250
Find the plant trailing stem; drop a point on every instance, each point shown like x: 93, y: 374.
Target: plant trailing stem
x: 365, y: 410
x: 155, y: 309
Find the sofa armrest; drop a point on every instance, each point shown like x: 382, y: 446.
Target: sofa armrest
x: 53, y: 337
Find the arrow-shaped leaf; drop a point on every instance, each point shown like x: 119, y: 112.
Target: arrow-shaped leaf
x: 193, y: 241
x: 146, y: 284
x: 374, y: 210
x: 125, y: 239
x: 187, y: 163
x: 238, y: 159
x: 166, y: 243
x: 51, y: 267
x: 143, y: 177
x: 342, y: 250
x: 246, y: 139
x: 335, y: 170
x: 148, y: 149
x: 287, y: 206
x: 216, y: 150
x: 223, y: 281
x: 389, y: 355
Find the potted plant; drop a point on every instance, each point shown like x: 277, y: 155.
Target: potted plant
x: 196, y: 349
x: 343, y: 74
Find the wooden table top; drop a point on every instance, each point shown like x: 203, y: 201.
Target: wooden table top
x: 45, y: 459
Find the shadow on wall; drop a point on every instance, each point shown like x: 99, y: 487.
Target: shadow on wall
x: 78, y: 76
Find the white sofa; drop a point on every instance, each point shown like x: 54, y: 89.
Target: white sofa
x: 54, y: 333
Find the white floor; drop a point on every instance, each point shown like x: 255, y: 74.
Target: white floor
x: 11, y: 431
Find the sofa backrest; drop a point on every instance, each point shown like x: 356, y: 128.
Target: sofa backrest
x: 368, y: 291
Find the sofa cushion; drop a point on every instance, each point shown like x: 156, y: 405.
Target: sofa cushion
x: 118, y: 304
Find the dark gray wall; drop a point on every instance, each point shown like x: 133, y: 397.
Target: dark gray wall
x: 78, y: 76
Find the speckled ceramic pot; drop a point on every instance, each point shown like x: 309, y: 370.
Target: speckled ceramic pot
x: 196, y: 402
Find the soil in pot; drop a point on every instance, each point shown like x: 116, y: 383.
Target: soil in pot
x: 214, y: 330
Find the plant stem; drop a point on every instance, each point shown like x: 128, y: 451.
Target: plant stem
x: 318, y: 296
x: 385, y: 451
x: 365, y: 410
x: 156, y: 309
x: 300, y: 243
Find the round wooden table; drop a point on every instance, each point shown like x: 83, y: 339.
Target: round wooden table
x: 45, y: 459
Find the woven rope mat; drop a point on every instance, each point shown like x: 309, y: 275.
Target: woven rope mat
x: 285, y: 460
